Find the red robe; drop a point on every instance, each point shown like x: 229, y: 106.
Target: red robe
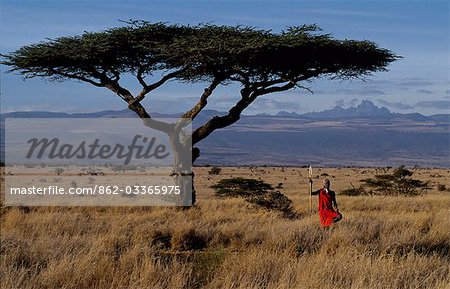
x: 326, y: 211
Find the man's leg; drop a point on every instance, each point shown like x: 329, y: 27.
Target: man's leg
x: 337, y: 218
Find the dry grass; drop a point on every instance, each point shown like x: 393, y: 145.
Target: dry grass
x: 383, y: 242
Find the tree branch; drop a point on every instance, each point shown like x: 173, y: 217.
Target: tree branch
x: 217, y: 122
x: 248, y: 95
x: 140, y: 78
x: 149, y: 121
x: 203, y: 101
x: 137, y: 107
x: 190, y: 115
x: 79, y: 77
x: 116, y: 75
x: 305, y: 88
x: 147, y: 88
x: 273, y: 89
x: 115, y: 87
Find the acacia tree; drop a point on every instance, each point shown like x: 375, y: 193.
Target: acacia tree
x: 260, y: 61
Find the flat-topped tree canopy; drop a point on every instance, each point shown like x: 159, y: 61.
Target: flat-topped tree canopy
x: 260, y: 55
x: 199, y: 53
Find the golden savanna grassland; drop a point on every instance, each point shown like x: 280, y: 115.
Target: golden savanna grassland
x: 382, y: 242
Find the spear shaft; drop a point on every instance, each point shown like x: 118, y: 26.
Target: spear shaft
x: 310, y: 189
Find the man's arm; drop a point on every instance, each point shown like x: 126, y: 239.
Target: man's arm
x: 334, y: 202
x: 315, y: 192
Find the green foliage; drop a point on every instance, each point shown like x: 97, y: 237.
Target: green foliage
x: 399, y: 182
x: 273, y: 201
x: 256, y: 192
x: 240, y: 187
x: 201, y: 52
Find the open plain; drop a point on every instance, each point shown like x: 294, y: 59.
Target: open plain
x: 382, y: 242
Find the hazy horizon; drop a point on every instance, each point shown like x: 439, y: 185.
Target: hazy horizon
x: 274, y: 113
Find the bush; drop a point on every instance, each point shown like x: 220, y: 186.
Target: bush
x: 441, y: 188
x: 397, y: 183
x: 273, y: 200
x: 353, y: 191
x: 214, y: 171
x: 59, y: 171
x: 92, y: 171
x: 240, y: 187
x: 256, y: 192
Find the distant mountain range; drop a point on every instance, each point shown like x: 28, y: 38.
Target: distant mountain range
x: 366, y: 109
x: 364, y: 135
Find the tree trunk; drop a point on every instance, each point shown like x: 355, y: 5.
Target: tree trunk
x: 182, y: 171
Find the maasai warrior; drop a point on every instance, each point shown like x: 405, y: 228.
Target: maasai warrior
x: 328, y: 208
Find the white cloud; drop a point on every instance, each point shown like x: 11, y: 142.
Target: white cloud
x: 396, y: 105
x: 345, y: 103
x: 271, y: 105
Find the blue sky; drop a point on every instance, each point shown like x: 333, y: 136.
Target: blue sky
x: 416, y: 30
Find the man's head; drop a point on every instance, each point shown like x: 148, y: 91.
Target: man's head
x: 326, y: 184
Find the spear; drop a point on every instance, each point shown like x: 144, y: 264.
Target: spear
x: 310, y: 189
